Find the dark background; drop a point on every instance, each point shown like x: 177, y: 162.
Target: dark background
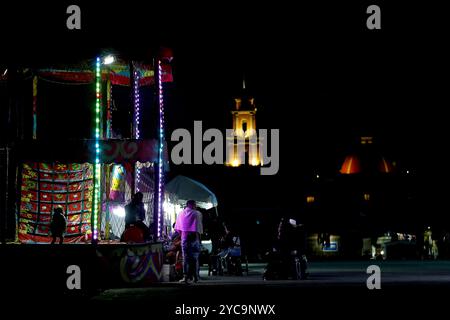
x: 316, y: 71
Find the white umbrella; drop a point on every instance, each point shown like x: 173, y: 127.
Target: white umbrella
x: 182, y: 188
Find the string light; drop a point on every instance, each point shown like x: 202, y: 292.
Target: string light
x: 137, y: 116
x: 97, y: 172
x: 160, y: 153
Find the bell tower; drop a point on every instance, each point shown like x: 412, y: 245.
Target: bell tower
x: 245, y: 137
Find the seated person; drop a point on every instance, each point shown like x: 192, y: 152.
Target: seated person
x: 231, y: 246
x: 175, y: 247
x: 135, y: 216
x: 175, y: 233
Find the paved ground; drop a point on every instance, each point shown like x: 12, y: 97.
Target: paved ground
x: 333, y: 288
x: 321, y: 274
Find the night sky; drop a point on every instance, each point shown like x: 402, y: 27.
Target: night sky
x: 316, y: 72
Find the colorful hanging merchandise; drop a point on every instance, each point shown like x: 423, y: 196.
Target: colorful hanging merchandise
x: 47, y: 186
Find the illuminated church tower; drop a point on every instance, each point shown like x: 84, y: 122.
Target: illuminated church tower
x: 244, y: 146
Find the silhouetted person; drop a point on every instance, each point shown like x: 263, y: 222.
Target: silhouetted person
x: 290, y: 246
x: 216, y: 233
x: 230, y: 244
x: 135, y: 214
x: 58, y: 225
x: 135, y: 211
x: 175, y: 234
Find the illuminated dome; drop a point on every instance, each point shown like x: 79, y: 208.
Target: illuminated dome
x: 350, y: 165
x: 366, y: 160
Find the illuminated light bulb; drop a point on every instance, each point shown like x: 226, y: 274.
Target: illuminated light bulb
x: 109, y: 59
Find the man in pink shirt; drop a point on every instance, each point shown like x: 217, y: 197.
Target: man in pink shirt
x: 189, y: 225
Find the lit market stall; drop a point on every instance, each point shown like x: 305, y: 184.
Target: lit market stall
x: 92, y: 180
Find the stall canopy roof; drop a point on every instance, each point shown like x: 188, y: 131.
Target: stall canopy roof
x: 182, y: 188
x: 111, y: 151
